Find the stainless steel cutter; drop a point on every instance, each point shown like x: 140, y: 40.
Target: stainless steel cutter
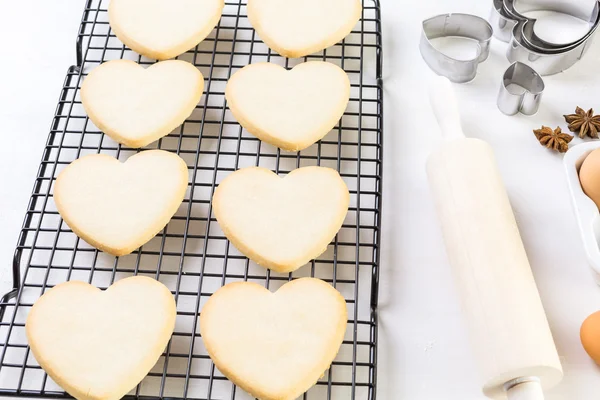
x: 525, y: 46
x: 455, y: 25
x: 521, y: 90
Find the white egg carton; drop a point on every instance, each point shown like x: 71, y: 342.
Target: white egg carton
x: 586, y: 211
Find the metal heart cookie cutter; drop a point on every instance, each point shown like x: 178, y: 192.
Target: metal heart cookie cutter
x: 527, y: 98
x: 545, y: 57
x: 461, y: 26
x: 502, y: 21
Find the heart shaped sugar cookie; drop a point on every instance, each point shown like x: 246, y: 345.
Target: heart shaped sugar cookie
x: 297, y: 28
x: 136, y: 105
x: 274, y: 345
x: 98, y: 345
x: 281, y: 223
x: 162, y: 29
x: 117, y: 207
x: 289, y: 109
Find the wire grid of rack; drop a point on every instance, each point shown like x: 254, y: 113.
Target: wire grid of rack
x: 191, y: 255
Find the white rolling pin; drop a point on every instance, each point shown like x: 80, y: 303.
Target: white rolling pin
x: 507, y: 323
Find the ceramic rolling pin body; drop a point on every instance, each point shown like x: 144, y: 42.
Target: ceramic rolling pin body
x: 507, y: 323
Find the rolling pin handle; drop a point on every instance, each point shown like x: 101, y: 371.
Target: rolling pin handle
x: 445, y: 107
x: 525, y: 389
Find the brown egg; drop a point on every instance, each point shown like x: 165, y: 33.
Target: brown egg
x: 589, y: 176
x: 590, y: 336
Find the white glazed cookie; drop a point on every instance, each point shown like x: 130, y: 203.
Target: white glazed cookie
x: 297, y: 28
x: 162, y: 29
x: 281, y: 223
x: 98, y: 345
x: 289, y: 109
x: 274, y: 345
x: 136, y: 105
x: 117, y: 207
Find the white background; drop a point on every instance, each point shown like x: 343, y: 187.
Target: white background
x: 424, y: 352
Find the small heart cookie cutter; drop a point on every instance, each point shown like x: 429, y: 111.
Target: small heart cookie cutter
x: 526, y: 101
x: 455, y: 25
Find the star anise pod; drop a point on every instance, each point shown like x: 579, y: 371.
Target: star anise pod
x: 553, y: 139
x: 584, y: 123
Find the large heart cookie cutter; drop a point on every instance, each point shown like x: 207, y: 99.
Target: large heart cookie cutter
x: 455, y: 25
x: 525, y: 46
x: 527, y: 25
x: 527, y: 99
x: 502, y: 21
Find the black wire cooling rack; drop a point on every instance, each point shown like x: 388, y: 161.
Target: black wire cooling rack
x: 191, y: 255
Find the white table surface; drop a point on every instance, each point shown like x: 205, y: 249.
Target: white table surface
x: 424, y: 351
